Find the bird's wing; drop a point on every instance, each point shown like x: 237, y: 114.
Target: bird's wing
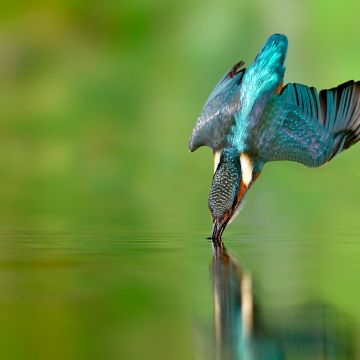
x: 217, y: 116
x: 309, y: 127
x: 337, y: 109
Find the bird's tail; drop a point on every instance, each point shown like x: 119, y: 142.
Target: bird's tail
x: 340, y: 114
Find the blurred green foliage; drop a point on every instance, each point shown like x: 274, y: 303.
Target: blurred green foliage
x: 97, y: 102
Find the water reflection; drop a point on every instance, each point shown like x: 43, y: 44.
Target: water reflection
x: 311, y: 331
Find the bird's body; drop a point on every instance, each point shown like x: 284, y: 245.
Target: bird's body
x: 250, y: 119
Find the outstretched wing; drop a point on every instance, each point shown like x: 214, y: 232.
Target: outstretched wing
x: 337, y: 109
x: 217, y: 116
x: 309, y: 127
x: 285, y: 132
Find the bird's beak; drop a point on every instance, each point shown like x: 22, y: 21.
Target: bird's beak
x: 218, y: 229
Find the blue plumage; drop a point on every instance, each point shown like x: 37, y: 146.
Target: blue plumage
x: 215, y: 121
x: 250, y: 116
x: 261, y: 79
x: 309, y: 127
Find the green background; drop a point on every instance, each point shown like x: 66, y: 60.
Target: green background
x: 103, y: 210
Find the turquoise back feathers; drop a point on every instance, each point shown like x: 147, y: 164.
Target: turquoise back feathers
x: 225, y: 115
x: 260, y: 81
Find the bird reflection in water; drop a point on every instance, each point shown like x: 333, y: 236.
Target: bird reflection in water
x: 308, y: 332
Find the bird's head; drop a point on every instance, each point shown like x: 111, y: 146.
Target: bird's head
x: 233, y: 175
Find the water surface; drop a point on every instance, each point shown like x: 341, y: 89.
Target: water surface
x: 150, y: 294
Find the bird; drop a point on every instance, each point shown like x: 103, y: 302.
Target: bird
x: 252, y: 118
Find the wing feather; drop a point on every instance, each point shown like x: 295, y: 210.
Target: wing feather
x: 287, y: 133
x: 311, y: 127
x: 217, y: 116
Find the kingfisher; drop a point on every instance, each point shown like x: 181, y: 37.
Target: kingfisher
x: 251, y: 118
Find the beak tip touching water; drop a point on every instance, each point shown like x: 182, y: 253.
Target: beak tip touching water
x: 218, y: 229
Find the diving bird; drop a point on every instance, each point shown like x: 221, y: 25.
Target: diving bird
x: 251, y: 118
